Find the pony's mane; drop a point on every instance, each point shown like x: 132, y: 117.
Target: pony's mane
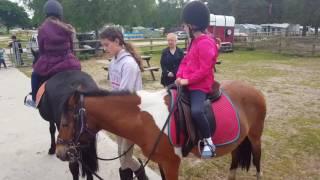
x: 103, y: 92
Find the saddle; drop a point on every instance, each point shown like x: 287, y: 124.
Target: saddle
x: 184, y: 122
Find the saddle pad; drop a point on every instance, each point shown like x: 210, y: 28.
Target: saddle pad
x: 227, y: 123
x: 40, y: 93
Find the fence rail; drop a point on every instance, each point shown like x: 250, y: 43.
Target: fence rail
x: 282, y: 43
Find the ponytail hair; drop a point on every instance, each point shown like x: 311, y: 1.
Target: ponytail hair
x: 112, y: 33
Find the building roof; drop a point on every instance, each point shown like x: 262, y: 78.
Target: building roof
x: 283, y: 25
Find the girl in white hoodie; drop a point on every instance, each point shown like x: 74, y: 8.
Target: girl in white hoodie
x: 124, y: 74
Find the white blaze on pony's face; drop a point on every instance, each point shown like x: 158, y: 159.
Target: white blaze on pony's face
x: 154, y: 104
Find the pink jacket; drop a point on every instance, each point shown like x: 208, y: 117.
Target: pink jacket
x: 197, y: 65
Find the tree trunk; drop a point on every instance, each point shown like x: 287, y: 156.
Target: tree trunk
x: 316, y: 30
x: 8, y: 29
x: 304, y: 30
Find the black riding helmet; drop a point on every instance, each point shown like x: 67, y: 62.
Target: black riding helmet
x: 53, y: 8
x: 196, y: 13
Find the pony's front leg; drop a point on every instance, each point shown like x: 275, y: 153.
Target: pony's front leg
x: 170, y: 168
x: 74, y: 169
x: 52, y: 129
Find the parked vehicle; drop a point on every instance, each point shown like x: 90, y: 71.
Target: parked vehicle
x: 181, y: 35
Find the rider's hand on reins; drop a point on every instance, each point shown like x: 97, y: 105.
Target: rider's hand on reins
x: 182, y: 82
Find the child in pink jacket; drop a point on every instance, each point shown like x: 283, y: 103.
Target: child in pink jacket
x: 196, y: 69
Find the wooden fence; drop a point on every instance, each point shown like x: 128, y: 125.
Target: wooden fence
x: 294, y: 44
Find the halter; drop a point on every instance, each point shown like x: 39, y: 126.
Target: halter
x: 81, y: 128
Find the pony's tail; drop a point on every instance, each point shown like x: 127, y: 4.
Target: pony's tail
x: 244, y: 152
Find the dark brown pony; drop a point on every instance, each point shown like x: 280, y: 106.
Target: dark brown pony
x: 58, y: 89
x: 139, y: 118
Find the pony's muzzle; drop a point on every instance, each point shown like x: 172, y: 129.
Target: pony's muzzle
x: 62, y: 152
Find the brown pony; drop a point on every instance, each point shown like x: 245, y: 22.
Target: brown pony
x: 140, y: 116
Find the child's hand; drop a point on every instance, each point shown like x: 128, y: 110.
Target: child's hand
x: 178, y: 81
x: 182, y: 82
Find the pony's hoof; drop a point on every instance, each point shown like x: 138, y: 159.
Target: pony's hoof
x: 259, y: 176
x: 52, y: 151
x: 232, y: 174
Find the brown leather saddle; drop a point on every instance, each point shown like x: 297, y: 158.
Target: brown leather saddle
x: 184, y: 122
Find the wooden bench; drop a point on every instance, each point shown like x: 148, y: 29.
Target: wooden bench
x: 151, y: 70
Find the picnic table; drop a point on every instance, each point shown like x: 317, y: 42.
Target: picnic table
x: 146, y: 67
x: 149, y: 68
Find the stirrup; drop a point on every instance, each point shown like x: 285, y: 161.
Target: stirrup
x: 29, y: 102
x: 206, y: 154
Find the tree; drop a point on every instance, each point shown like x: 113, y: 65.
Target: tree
x: 93, y: 14
x: 12, y: 15
x: 275, y: 11
x: 304, y: 12
x: 220, y: 7
x: 250, y: 11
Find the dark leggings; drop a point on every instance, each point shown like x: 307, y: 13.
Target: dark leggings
x: 3, y: 62
x: 36, y: 81
x: 197, y: 99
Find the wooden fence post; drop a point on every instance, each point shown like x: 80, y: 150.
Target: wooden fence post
x: 313, y: 52
x: 280, y: 42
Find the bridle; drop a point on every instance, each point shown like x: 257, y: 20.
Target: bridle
x: 81, y: 127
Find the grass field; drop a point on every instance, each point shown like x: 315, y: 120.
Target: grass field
x: 291, y: 138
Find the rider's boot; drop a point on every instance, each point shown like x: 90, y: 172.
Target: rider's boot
x: 141, y: 173
x: 209, y: 149
x: 126, y: 174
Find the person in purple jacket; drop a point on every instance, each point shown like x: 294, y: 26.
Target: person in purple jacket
x: 196, y: 69
x: 55, y: 39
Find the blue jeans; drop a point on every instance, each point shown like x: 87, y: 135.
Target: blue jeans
x: 197, y: 99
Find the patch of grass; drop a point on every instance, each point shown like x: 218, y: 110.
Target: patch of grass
x: 249, y: 56
x: 312, y: 84
x: 307, y: 138
x: 26, y: 70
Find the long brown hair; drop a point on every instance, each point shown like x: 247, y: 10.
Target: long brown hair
x: 112, y: 33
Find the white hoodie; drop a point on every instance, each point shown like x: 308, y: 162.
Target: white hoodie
x: 124, y: 72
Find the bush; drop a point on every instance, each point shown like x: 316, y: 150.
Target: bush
x: 83, y: 57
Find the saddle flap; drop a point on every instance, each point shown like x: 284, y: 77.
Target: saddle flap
x: 222, y: 117
x: 40, y: 93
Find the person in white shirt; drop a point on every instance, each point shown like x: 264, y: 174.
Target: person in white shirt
x: 124, y: 74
